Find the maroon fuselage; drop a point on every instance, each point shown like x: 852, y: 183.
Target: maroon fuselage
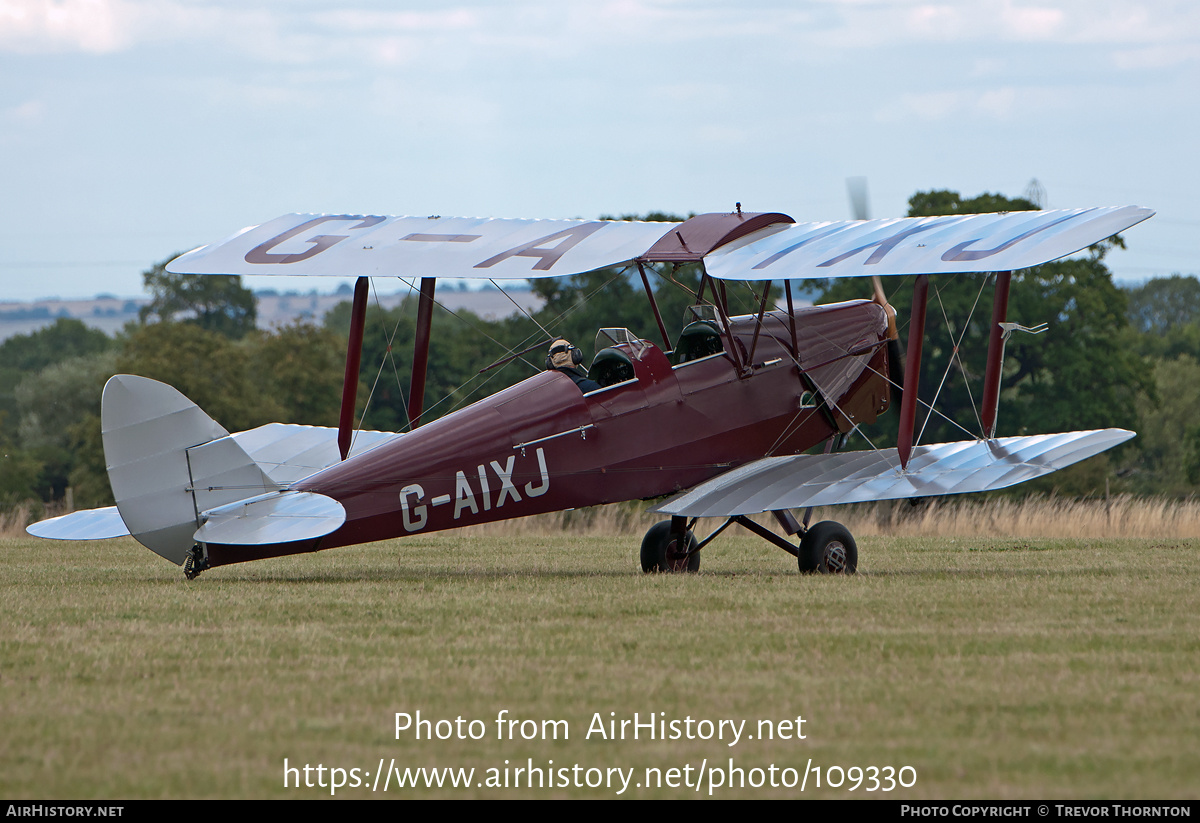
x: 543, y: 446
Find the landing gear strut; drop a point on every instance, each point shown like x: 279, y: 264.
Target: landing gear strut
x: 196, y: 562
x: 827, y: 548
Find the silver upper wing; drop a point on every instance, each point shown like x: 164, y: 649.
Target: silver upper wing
x: 348, y: 245
x: 458, y: 247
x: 918, y: 245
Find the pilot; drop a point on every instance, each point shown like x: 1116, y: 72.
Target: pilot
x: 566, y: 358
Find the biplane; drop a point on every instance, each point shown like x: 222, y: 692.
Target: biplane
x: 726, y: 416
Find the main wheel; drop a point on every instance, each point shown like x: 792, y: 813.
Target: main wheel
x: 828, y: 548
x: 661, y: 551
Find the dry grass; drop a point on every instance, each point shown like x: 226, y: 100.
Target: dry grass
x: 1048, y: 517
x: 1122, y: 516
x: 13, y: 521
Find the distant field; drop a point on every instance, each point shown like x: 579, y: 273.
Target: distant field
x: 990, y: 667
x: 110, y: 314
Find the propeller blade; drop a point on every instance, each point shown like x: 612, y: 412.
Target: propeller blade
x: 857, y: 188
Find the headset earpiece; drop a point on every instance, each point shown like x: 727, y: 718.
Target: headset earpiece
x: 566, y: 348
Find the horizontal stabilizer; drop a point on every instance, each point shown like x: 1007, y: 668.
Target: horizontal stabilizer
x: 90, y: 524
x: 277, y: 517
x: 797, y: 481
x: 288, y: 452
x: 1006, y: 241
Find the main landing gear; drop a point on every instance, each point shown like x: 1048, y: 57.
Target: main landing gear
x: 828, y: 548
x: 825, y: 548
x: 665, y: 550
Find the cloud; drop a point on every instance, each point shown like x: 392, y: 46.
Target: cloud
x: 929, y: 106
x: 297, y: 32
x: 1163, y: 56
x: 109, y: 26
x: 909, y: 22
x: 29, y: 113
x: 997, y: 104
x: 284, y: 33
x: 1032, y: 22
x: 92, y: 26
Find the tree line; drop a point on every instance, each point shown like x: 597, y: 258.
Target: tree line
x: 1110, y: 357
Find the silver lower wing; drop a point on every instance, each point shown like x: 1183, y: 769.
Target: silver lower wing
x: 797, y: 481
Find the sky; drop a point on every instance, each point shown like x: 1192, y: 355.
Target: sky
x: 133, y: 130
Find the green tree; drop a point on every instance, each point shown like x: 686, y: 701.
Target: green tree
x: 38, y: 423
x: 577, y: 306
x: 1164, y: 303
x: 1167, y: 460
x: 1078, y: 375
x: 59, y: 396
x: 89, y: 472
x: 944, y: 201
x: 24, y: 355
x: 56, y: 406
x: 301, y: 367
x: 461, y: 345
x: 65, y: 338
x: 20, y: 476
x: 1164, y: 317
x: 214, y: 372
x: 215, y: 302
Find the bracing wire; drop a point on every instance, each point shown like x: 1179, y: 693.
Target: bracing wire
x: 955, y: 358
x: 520, y: 308
x: 389, y: 355
x: 556, y: 321
x: 930, y: 409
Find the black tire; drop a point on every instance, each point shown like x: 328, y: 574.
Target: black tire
x: 828, y: 548
x: 660, y: 552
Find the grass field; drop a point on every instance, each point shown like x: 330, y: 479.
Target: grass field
x: 991, y: 667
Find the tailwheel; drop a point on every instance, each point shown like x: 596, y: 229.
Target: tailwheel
x: 663, y: 551
x: 195, y: 562
x: 828, y: 548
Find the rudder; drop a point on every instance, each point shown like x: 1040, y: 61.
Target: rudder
x: 168, y: 461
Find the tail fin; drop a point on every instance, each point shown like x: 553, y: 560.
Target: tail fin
x: 168, y: 461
